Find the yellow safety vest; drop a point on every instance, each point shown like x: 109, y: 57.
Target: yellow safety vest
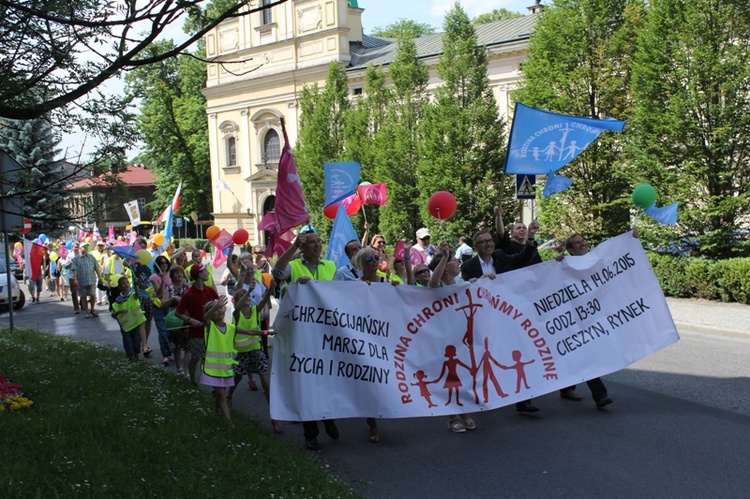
x: 112, y: 279
x: 324, y: 272
x: 133, y: 316
x: 209, y: 282
x: 219, y: 360
x: 247, y: 342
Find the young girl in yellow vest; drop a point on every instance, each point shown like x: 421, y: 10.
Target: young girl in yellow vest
x: 127, y: 310
x: 251, y: 357
x: 217, y: 368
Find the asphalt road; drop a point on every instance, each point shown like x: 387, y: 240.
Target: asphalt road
x: 679, y: 427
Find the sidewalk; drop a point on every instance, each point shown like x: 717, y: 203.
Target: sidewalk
x: 712, y: 317
x: 54, y: 316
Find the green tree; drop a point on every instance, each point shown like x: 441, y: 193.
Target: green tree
x: 404, y: 27
x: 321, y: 137
x: 691, y: 83
x: 397, y: 140
x: 495, y: 15
x: 41, y: 184
x: 463, y: 137
x: 579, y: 64
x: 174, y: 130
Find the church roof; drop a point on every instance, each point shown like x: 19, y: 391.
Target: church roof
x: 382, y: 51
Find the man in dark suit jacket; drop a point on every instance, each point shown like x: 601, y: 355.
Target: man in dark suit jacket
x: 490, y: 262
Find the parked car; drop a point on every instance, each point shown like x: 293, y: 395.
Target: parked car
x: 16, y: 270
x: 19, y: 298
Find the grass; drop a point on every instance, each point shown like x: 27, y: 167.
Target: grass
x: 101, y: 426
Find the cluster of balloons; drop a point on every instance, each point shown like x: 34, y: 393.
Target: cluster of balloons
x: 240, y: 236
x: 644, y: 196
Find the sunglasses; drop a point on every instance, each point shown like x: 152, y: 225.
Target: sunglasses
x: 372, y: 258
x: 258, y: 253
x: 422, y: 271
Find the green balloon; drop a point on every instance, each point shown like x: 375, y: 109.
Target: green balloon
x: 172, y: 321
x: 644, y: 196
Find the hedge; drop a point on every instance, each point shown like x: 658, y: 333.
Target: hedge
x: 690, y: 277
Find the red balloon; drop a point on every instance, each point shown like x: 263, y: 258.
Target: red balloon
x: 442, y: 205
x: 352, y: 204
x: 330, y: 211
x: 240, y: 236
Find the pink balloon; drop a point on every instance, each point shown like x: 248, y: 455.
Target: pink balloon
x: 442, y: 205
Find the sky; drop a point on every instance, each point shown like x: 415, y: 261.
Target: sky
x: 380, y: 13
x: 377, y: 14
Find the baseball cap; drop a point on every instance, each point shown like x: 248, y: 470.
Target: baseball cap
x: 422, y: 233
x: 195, y: 270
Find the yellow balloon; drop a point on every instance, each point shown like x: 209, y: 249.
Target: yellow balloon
x: 158, y: 239
x: 53, y: 256
x: 144, y: 257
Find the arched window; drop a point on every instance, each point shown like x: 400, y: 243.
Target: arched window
x: 271, y: 147
x: 231, y: 151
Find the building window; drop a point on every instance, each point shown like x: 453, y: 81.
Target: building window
x: 266, y: 14
x: 357, y: 91
x: 271, y: 147
x: 231, y: 151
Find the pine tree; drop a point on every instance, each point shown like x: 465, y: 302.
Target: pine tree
x: 41, y: 184
x: 691, y: 82
x: 463, y: 136
x: 579, y: 64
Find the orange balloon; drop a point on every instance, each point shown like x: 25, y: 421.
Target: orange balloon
x: 212, y: 232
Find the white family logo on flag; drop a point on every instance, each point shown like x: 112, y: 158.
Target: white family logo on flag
x: 556, y: 150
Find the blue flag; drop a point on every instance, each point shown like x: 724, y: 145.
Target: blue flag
x: 541, y: 141
x: 342, y: 232
x: 666, y: 215
x: 555, y: 184
x: 125, y: 252
x: 341, y: 180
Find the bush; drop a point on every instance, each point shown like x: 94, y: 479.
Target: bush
x: 690, y: 277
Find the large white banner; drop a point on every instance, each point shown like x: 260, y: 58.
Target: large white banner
x: 348, y: 349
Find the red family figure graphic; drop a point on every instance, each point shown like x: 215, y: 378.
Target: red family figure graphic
x: 452, y: 381
x: 519, y: 366
x: 470, y: 311
x: 487, y: 374
x: 422, y: 383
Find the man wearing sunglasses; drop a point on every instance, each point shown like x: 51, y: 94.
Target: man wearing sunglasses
x: 306, y: 268
x: 488, y: 263
x: 423, y: 245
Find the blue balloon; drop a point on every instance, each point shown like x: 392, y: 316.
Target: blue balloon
x: 69, y: 245
x: 43, y: 238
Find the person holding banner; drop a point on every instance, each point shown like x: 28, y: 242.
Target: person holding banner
x: 349, y: 272
x: 488, y: 263
x: 445, y: 268
x: 308, y: 267
x: 576, y: 246
x: 515, y: 240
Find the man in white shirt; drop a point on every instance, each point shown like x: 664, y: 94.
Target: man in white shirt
x: 423, y: 246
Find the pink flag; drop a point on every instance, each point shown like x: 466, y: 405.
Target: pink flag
x: 222, y: 240
x: 372, y: 194
x: 62, y: 251
x: 111, y: 233
x: 269, y: 223
x: 291, y: 209
x: 219, y: 258
x: 398, y: 251
x: 279, y: 243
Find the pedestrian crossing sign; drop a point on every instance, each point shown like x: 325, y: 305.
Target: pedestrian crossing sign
x: 525, y: 186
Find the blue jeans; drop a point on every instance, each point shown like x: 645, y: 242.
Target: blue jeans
x: 160, y: 320
x: 131, y: 342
